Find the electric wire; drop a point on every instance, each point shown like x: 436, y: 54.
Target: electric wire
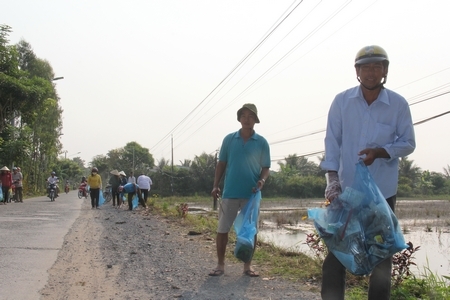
x: 229, y: 74
x: 186, y: 128
x: 309, y: 35
x: 323, y: 151
x: 319, y: 131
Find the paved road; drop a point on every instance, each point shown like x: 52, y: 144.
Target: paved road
x: 31, y: 234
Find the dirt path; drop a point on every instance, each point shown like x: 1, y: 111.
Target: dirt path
x: 117, y: 254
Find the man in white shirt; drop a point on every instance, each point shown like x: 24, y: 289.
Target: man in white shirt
x: 372, y: 123
x: 145, y: 183
x: 131, y: 178
x: 52, y: 180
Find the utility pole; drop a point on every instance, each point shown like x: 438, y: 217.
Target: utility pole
x: 171, y: 177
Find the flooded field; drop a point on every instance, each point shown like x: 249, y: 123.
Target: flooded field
x: 425, y: 223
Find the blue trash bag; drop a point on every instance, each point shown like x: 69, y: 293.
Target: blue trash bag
x: 135, y: 201
x: 359, y: 227
x: 245, y: 226
x: 1, y: 194
x: 101, y: 199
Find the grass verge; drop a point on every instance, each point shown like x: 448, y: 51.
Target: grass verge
x: 294, y: 266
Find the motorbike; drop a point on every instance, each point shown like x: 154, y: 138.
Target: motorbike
x: 52, y: 191
x: 107, y: 194
x: 67, y: 188
x: 82, y: 191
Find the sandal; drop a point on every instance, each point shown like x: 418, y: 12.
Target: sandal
x: 251, y: 273
x: 216, y: 272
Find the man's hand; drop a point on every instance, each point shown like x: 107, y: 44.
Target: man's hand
x: 370, y: 154
x: 259, y: 185
x: 215, y: 193
x: 333, y: 188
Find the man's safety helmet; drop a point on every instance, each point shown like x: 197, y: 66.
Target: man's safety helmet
x: 371, y: 54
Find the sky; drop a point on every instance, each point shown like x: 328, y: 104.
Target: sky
x: 171, y: 75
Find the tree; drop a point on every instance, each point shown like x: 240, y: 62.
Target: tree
x: 138, y: 157
x: 202, y: 171
x: 408, y: 172
x: 67, y: 169
x: 301, y: 166
x: 30, y: 116
x: 447, y: 172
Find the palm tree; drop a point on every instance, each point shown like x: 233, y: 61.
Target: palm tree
x: 408, y: 170
x: 447, y: 172
x: 300, y: 165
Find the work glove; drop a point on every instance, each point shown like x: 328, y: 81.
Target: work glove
x: 333, y: 189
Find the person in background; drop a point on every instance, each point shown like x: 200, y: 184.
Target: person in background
x: 123, y: 182
x: 131, y: 178
x: 95, y: 185
x: 115, y: 182
x: 371, y: 123
x: 133, y: 189
x: 18, y: 187
x: 67, y: 186
x: 123, y: 178
x: 145, y: 183
x: 6, y: 181
x: 83, y: 186
x: 244, y: 158
x: 52, y: 180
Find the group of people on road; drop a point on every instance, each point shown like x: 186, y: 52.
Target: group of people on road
x: 367, y: 122
x: 120, y: 185
x: 11, y: 184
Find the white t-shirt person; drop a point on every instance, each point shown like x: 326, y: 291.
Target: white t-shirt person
x: 144, y: 182
x: 131, y: 178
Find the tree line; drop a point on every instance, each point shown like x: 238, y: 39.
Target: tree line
x: 31, y: 127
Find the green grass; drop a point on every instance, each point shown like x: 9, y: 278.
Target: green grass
x: 274, y: 261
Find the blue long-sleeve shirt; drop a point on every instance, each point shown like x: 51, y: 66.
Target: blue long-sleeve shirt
x: 353, y: 125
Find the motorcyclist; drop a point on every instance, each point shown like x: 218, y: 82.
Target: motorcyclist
x: 83, y: 185
x: 67, y: 186
x: 52, y: 180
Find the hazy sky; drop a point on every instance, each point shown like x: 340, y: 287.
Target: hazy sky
x: 145, y: 71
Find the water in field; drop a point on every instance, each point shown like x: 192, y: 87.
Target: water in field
x: 431, y: 233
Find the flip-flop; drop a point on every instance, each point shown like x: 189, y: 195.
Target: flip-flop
x: 251, y: 273
x: 216, y: 272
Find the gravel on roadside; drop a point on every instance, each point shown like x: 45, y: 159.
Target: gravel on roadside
x: 114, y: 253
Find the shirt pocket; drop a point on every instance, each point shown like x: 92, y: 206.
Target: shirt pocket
x: 383, y: 135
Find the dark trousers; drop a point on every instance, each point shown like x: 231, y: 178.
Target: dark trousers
x: 18, y: 194
x: 145, y: 196
x: 130, y: 200
x: 95, y: 197
x: 333, y: 275
x: 119, y: 198
x: 5, y: 191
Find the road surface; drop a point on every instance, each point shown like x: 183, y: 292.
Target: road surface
x: 31, y: 234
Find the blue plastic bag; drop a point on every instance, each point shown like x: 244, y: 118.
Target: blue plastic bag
x: 359, y: 227
x: 101, y: 199
x: 245, y: 226
x: 135, y: 202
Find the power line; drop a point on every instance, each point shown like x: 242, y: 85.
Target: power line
x: 432, y: 118
x: 309, y: 35
x: 416, y: 123
x: 243, y: 60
